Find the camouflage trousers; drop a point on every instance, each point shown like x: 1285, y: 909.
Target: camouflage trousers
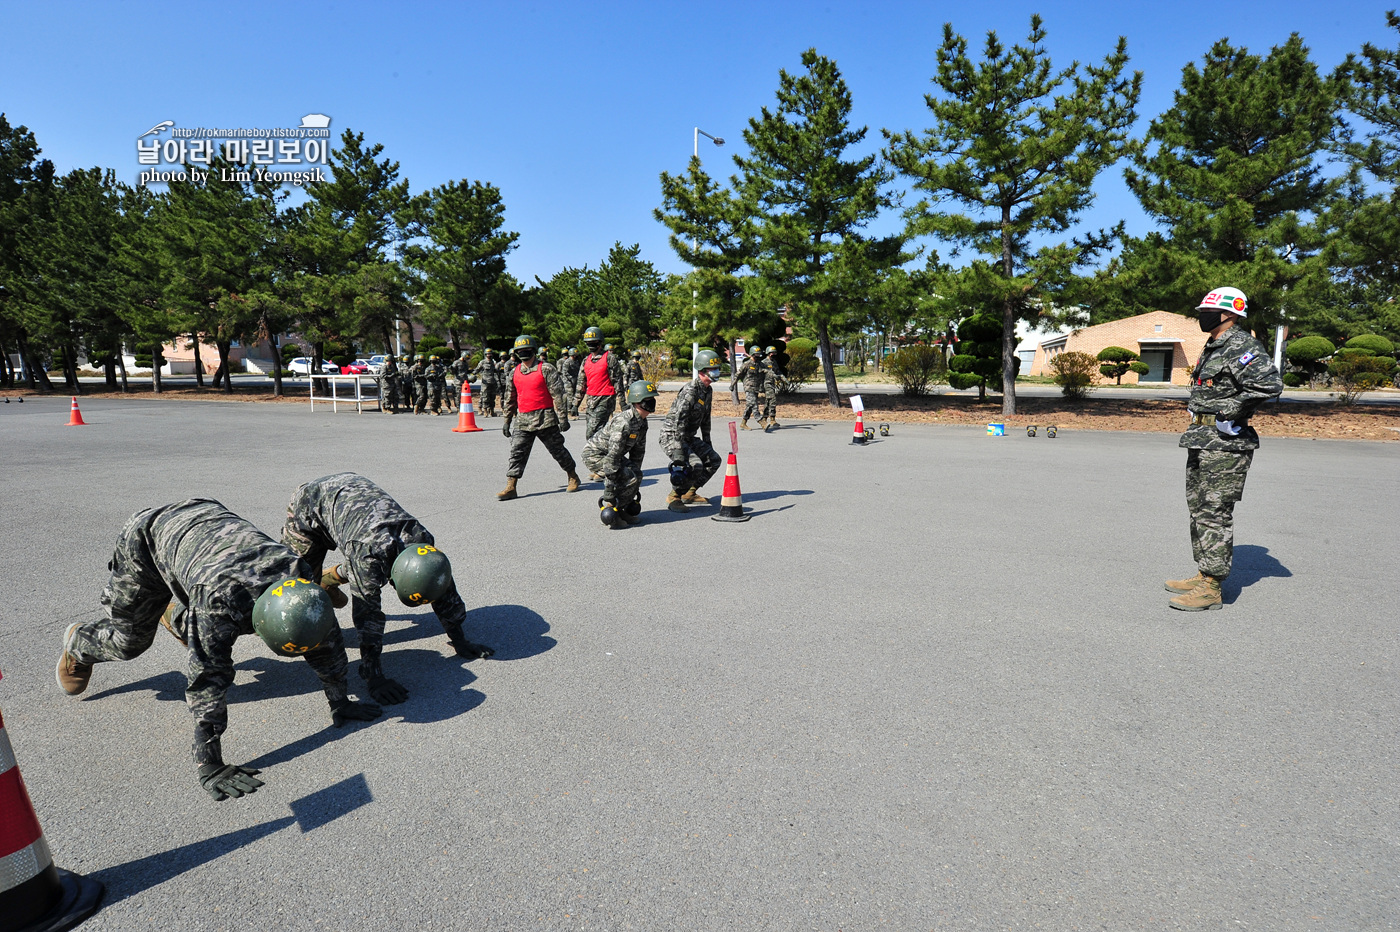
x: 770, y: 402
x: 1214, y: 482
x: 488, y: 399
x: 752, y: 404
x: 624, y: 486
x: 600, y: 410
x: 421, y: 389
x: 521, y: 442
x: 389, y: 394
x: 703, y: 459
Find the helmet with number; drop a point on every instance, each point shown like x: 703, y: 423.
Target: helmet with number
x: 593, y: 336
x: 756, y: 352
x: 636, y: 354
x: 770, y: 351
x: 421, y: 574
x: 466, y: 354
x: 607, y: 348
x: 1229, y: 300
x: 573, y: 351
x: 640, y: 390
x: 706, y: 359
x: 490, y: 352
x: 293, y: 616
x: 525, y: 346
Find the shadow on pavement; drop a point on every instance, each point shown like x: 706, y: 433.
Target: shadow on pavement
x: 168, y: 687
x: 133, y: 877
x: 514, y: 632
x: 774, y: 493
x: 1251, y: 563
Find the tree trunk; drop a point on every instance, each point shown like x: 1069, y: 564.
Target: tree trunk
x: 224, y: 370
x: 70, y: 370
x: 33, y: 374
x: 828, y: 369
x: 1008, y: 323
x: 109, y: 367
x: 7, y: 371
x: 157, y: 363
x: 121, y: 364
x: 198, y: 364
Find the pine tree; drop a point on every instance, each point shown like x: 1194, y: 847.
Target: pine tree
x: 1232, y: 174
x: 1017, y: 145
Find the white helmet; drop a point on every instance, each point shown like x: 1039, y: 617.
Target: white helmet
x: 1230, y: 300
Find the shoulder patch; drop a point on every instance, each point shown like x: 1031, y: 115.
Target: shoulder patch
x: 699, y: 401
x: 1247, y: 358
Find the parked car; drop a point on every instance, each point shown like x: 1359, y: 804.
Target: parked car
x: 358, y: 367
x: 299, y: 365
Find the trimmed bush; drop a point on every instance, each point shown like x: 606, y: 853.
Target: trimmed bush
x: 1117, y: 362
x: 1074, y: 373
x: 1141, y: 368
x: 1306, y: 350
x: 1292, y: 379
x: 1372, y: 344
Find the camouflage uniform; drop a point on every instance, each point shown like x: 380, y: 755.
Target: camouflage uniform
x: 751, y: 374
x: 771, y: 374
x: 685, y: 435
x: 634, y: 373
x: 490, y: 377
x: 1232, y: 379
x: 616, y: 453
x: 347, y: 512
x: 568, y: 374
x: 389, y: 386
x: 435, y: 383
x: 546, y: 423
x: 600, y: 407
x: 214, y: 565
x: 406, y: 383
x: 462, y: 372
x: 419, y: 372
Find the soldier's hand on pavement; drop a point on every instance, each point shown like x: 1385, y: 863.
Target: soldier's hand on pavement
x: 471, y: 651
x: 386, y: 691
x: 505, y: 428
x: 348, y: 710
x: 222, y: 781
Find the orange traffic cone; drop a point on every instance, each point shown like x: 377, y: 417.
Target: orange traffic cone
x: 75, y: 417
x: 731, y: 503
x: 466, y: 416
x: 859, y: 435
x: 34, y: 894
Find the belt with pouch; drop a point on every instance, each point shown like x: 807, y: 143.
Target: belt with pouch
x: 1207, y: 419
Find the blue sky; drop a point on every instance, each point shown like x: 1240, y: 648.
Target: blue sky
x: 572, y: 110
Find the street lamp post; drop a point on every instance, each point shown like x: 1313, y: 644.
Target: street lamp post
x: 694, y: 251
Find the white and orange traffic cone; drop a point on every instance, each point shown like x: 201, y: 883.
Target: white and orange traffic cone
x: 859, y: 435
x: 34, y: 895
x: 466, y: 415
x: 731, y: 503
x: 75, y: 417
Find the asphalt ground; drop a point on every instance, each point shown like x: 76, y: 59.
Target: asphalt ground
x: 932, y: 684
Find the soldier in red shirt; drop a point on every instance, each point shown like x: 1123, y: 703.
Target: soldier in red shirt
x: 537, y: 407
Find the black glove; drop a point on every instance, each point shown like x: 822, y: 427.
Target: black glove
x: 347, y: 710
x: 222, y: 781
x: 563, y: 425
x: 386, y: 691
x: 505, y: 428
x: 470, y: 651
x: 680, y: 476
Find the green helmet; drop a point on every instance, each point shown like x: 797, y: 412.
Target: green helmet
x: 421, y: 574
x: 293, y: 616
x: 525, y: 345
x: 573, y: 351
x: 593, y: 335
x: 640, y: 389
x: 490, y: 351
x: 756, y: 352
x: 771, y: 351
x: 607, y: 348
x: 636, y: 354
x: 706, y: 359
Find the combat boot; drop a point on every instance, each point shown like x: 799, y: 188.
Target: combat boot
x: 1205, y: 597
x: 1185, y: 585
x: 674, y: 503
x: 693, y: 497
x: 745, y: 425
x: 508, y: 492
x: 168, y: 625
x: 573, y: 482
x: 72, y: 676
x: 773, y: 424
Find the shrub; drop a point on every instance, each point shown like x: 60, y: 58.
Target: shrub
x: 801, y: 365
x: 1292, y: 379
x: 978, y: 360
x: 1141, y: 368
x: 1354, y: 373
x: 915, y: 367
x: 1371, y: 344
x: 1074, y: 373
x: 1117, y: 362
x: 442, y: 353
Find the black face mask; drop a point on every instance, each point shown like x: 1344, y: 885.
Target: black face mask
x: 1209, y: 320
x: 648, y: 405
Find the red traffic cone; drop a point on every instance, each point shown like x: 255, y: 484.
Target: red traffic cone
x: 75, y: 417
x: 731, y: 503
x: 34, y: 895
x: 859, y: 435
x: 466, y: 416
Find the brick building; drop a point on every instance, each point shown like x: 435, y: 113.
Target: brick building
x: 1169, y: 343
